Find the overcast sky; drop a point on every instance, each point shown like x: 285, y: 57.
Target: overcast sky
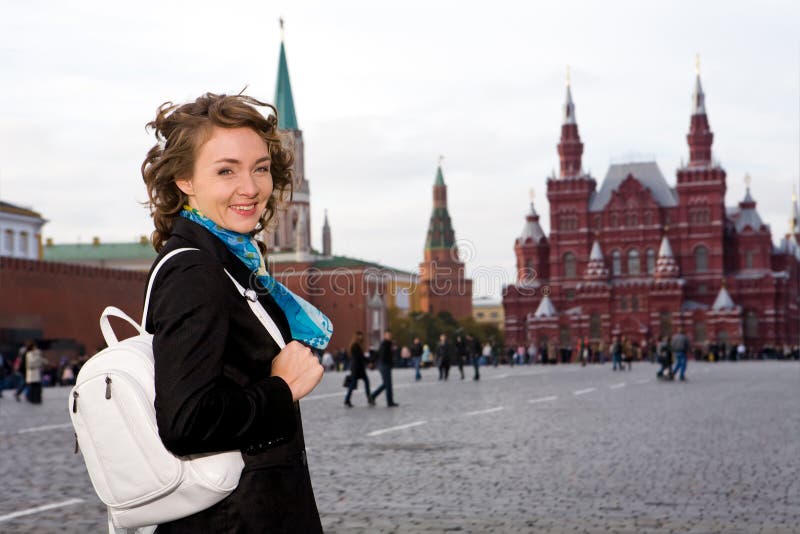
x: 381, y: 90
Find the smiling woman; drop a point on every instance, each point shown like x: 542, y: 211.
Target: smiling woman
x: 223, y: 381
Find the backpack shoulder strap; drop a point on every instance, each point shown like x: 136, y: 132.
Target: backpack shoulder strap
x: 258, y: 310
x: 153, y: 278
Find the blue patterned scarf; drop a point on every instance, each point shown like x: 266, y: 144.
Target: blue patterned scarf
x: 306, y: 322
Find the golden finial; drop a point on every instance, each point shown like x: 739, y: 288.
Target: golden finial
x: 441, y: 159
x: 747, y: 179
x: 280, y: 21
x: 568, y: 76
x: 794, y: 195
x: 697, y: 64
x: 532, y: 194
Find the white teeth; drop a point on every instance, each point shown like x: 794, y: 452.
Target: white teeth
x: 244, y: 208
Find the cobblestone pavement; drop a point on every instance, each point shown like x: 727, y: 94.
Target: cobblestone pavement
x: 525, y: 449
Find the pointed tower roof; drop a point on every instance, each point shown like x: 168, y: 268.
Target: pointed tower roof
x: 698, y: 97
x: 700, y: 137
x: 569, y: 105
x: 596, y: 268
x: 665, y: 251
x: 596, y: 254
x: 440, y: 228
x: 666, y: 266
x: 284, y: 101
x: 747, y: 215
x: 794, y: 221
x: 570, y: 147
x: 531, y: 230
x: 439, y: 176
x: 546, y: 308
x: 723, y: 302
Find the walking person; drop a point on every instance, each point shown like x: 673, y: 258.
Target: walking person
x: 474, y: 351
x: 358, y: 369
x: 19, y: 370
x: 665, y: 359
x: 416, y: 357
x: 443, y: 351
x: 680, y: 346
x: 461, y: 353
x: 616, y: 354
x: 222, y: 382
x: 34, y: 362
x: 385, y: 362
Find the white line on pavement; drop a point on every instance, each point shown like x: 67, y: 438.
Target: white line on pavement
x: 323, y: 396
x: 490, y: 410
x: 393, y: 428
x: 543, y: 399
x: 31, y: 511
x: 45, y: 427
x: 617, y: 386
x: 645, y: 381
x: 584, y: 391
x: 498, y: 377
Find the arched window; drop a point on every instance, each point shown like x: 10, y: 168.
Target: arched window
x: 699, y: 332
x: 665, y: 322
x: 701, y: 259
x: 594, y: 325
x: 648, y: 218
x: 634, y: 303
x: 570, y: 269
x: 751, y: 324
x: 651, y: 261
x: 633, y: 262
x: 616, y: 263
x: 748, y: 259
x: 612, y: 221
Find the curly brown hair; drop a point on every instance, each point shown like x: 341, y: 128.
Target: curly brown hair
x: 182, y: 129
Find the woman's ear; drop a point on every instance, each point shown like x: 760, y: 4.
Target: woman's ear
x: 185, y: 185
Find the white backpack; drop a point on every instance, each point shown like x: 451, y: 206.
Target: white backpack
x: 112, y: 410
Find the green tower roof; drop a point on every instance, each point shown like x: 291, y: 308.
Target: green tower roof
x: 439, y: 176
x: 287, y: 119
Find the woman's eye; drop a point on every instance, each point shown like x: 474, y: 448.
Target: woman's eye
x: 224, y: 171
x: 262, y: 169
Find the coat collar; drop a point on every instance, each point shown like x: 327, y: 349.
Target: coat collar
x: 199, y: 237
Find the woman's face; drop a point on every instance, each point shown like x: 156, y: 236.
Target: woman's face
x: 231, y: 181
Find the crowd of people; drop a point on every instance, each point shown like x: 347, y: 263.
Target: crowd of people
x: 670, y: 352
x: 29, y: 369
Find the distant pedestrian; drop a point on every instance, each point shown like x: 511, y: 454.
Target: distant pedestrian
x: 443, y: 351
x: 474, y: 352
x: 416, y: 357
x: 33, y: 373
x: 665, y: 359
x: 385, y: 361
x: 486, y: 355
x: 628, y: 352
x: 461, y: 354
x: 680, y: 347
x: 358, y: 369
x: 616, y: 354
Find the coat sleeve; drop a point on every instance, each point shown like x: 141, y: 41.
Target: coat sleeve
x: 198, y: 409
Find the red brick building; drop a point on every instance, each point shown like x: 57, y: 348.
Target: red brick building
x: 641, y: 258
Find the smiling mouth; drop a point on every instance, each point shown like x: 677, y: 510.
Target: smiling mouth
x: 244, y: 209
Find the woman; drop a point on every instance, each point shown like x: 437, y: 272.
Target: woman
x: 358, y: 369
x: 222, y: 382
x: 33, y: 372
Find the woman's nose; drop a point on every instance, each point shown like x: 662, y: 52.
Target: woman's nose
x: 247, y: 186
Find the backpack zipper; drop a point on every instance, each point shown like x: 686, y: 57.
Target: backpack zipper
x: 108, y: 387
x: 74, y: 402
x: 76, y: 444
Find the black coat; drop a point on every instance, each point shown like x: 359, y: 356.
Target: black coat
x: 214, y: 391
x: 385, y: 354
x: 358, y: 362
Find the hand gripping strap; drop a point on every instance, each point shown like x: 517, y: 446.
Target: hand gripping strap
x: 259, y: 311
x: 105, y: 327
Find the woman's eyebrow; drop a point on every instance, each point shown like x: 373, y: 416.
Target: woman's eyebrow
x: 236, y: 161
